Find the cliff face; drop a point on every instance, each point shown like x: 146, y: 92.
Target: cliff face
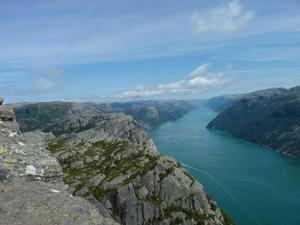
x: 270, y: 118
x: 108, y: 159
x: 116, y: 166
x: 31, y: 182
x: 220, y: 103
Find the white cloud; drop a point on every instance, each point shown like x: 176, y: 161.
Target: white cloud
x: 198, y: 80
x: 223, y: 18
x: 45, y: 85
x: 49, y: 80
x: 200, y: 70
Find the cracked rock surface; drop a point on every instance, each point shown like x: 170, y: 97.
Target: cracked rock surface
x: 31, y: 188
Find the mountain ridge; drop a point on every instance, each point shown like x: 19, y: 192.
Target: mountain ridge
x: 268, y: 117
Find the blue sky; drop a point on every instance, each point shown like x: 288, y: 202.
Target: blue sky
x: 113, y: 50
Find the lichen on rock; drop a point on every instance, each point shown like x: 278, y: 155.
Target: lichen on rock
x: 28, y: 176
x: 130, y: 181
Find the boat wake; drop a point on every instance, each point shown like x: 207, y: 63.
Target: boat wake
x: 224, y: 189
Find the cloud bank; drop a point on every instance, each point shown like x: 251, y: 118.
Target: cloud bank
x: 223, y: 18
x: 198, y: 80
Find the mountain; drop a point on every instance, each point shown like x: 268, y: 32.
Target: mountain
x: 219, y: 103
x: 62, y: 117
x: 105, y: 158
x: 57, y: 117
x: 270, y: 118
x: 153, y: 113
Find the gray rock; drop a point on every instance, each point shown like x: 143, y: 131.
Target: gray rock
x: 96, y: 180
x: 7, y: 114
x: 77, y: 165
x: 127, y: 179
x: 135, y: 190
x: 143, y: 192
x: 31, y: 187
x: 1, y: 100
x: 38, y: 202
x: 4, y: 172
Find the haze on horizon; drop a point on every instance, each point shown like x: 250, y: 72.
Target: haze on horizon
x: 113, y: 50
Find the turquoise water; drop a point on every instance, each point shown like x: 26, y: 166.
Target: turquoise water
x: 253, y: 185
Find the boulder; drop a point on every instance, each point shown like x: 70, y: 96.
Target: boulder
x: 7, y: 114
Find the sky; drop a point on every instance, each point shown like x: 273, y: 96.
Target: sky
x: 112, y: 50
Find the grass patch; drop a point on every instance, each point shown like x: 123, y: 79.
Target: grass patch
x: 166, y: 173
x: 3, y: 150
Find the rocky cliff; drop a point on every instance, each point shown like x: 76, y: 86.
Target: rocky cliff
x: 270, y: 118
x: 124, y: 173
x: 220, y: 103
x: 109, y: 160
x: 32, y: 191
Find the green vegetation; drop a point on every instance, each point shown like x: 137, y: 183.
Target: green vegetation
x: 8, y: 162
x: 177, y: 221
x: 154, y: 199
x: 104, y: 158
x: 56, y: 146
x: 213, y: 206
x: 191, y: 177
x: 188, y: 215
x: 3, y: 150
x: 166, y: 173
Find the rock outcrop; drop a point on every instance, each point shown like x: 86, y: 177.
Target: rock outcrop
x: 270, y: 118
x: 32, y: 191
x: 108, y: 159
x: 116, y: 166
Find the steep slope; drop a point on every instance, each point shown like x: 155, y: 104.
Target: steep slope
x: 220, y: 103
x: 116, y: 165
x: 270, y: 118
x: 31, y: 186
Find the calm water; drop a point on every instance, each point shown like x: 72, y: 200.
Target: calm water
x: 253, y: 185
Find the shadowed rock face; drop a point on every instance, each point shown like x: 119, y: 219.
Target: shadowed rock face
x: 270, y: 118
x: 31, y: 186
x: 1, y: 100
x: 220, y: 103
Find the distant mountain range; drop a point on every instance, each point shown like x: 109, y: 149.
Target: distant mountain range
x: 270, y: 118
x: 62, y: 117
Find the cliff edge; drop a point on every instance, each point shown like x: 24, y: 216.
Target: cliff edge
x: 32, y: 191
